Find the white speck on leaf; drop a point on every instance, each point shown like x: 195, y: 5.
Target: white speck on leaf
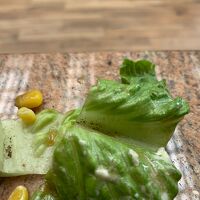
x: 164, y: 196
x: 82, y: 142
x: 136, y: 195
x: 134, y: 157
x: 104, y: 174
x: 160, y: 151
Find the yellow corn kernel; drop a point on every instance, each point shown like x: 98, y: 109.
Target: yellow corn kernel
x: 27, y: 115
x: 30, y: 99
x: 20, y: 193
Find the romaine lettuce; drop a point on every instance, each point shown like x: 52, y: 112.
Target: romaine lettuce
x: 140, y: 107
x: 141, y: 114
x: 91, y: 165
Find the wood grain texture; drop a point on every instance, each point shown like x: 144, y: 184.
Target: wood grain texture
x: 97, y: 25
x: 65, y: 79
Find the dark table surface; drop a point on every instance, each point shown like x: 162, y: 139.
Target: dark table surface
x: 65, y: 78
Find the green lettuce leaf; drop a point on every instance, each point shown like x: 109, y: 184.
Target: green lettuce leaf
x: 37, y: 142
x: 91, y: 165
x: 140, y: 108
x: 17, y: 155
x: 41, y: 195
x: 130, y: 70
x: 48, y: 122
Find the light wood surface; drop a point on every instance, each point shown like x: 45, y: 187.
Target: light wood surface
x: 97, y: 25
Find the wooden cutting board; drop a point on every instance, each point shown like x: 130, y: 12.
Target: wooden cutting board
x: 65, y: 78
